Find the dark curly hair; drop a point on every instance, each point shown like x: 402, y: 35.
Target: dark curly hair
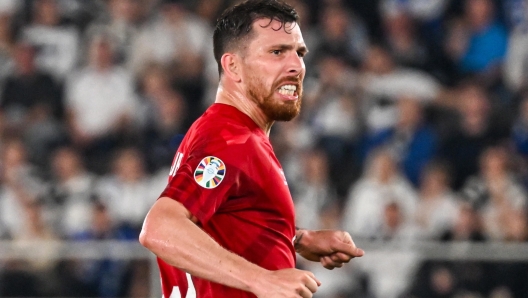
x: 235, y: 24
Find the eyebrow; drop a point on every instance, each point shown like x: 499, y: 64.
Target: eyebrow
x: 302, y: 49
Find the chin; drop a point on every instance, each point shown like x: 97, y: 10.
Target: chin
x: 283, y: 114
x: 281, y: 111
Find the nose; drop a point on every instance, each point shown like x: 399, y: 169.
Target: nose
x: 295, y: 64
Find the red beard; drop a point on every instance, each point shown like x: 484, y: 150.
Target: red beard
x: 273, y: 109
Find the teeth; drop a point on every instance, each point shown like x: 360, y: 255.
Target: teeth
x: 289, y: 87
x: 288, y: 90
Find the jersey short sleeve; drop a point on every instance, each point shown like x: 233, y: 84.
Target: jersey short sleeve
x: 209, y: 173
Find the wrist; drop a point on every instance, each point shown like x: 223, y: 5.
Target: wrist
x: 300, y: 240
x: 257, y: 284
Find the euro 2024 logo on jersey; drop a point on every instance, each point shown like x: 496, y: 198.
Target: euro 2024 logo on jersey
x: 210, y: 172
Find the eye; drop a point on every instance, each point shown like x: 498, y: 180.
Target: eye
x: 276, y: 52
x: 301, y: 54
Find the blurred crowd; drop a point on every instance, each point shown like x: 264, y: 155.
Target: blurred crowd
x: 414, y: 126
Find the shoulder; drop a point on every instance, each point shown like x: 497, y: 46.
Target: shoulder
x: 79, y: 75
x: 361, y: 186
x: 217, y: 135
x: 222, y: 127
x: 426, y: 134
x: 498, y: 29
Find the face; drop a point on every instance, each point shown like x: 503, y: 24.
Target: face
x: 48, y: 12
x: 393, y: 215
x: 480, y: 12
x: 25, y: 58
x: 129, y: 165
x: 435, y: 180
x: 410, y: 112
x: 128, y: 10
x: 494, y: 162
x: 101, y: 53
x: 66, y: 162
x: 378, y: 61
x: 273, y: 69
x: 383, y: 167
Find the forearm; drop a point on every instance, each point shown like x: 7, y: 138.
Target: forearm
x: 186, y: 246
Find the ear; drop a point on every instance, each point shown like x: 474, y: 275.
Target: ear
x: 231, y: 66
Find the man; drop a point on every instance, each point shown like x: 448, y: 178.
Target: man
x: 227, y: 216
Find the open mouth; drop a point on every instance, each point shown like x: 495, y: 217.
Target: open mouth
x: 288, y: 90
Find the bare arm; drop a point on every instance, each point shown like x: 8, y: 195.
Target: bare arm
x: 170, y: 232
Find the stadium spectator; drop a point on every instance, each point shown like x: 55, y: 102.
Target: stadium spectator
x: 437, y: 205
x: 31, y: 105
x: 516, y: 62
x: 105, y: 277
x: 331, y: 108
x: 395, y: 227
x: 516, y: 75
x: 290, y: 140
x: 56, y: 41
x: 179, y: 39
x: 36, y: 228
x: 21, y: 185
x: 411, y: 141
x: 29, y: 91
x: 317, y: 207
x: 519, y: 132
x: 389, y: 273
x: 381, y: 183
x: 6, y: 44
x: 101, y: 104
x: 438, y: 278
x: 342, y: 33
x: 498, y: 195
x: 477, y: 128
x: 71, y: 192
x: 177, y: 35
x: 128, y: 189
x: 315, y: 199
x: 467, y: 225
x: 383, y: 82
x: 424, y: 11
x: 478, y: 42
x: 165, y: 116
x: 403, y: 41
x: 123, y: 21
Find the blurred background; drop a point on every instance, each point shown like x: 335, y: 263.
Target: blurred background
x: 413, y: 137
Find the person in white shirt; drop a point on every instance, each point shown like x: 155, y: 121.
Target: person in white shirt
x: 127, y: 190
x: 57, y: 42
x: 100, y: 102
x: 438, y: 207
x: 381, y: 184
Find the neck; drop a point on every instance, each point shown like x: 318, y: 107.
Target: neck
x: 233, y: 96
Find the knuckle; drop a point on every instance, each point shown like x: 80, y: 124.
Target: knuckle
x: 299, y: 288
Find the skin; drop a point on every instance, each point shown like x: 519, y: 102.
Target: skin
x: 273, y: 58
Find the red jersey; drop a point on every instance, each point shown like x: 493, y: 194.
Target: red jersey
x: 226, y: 174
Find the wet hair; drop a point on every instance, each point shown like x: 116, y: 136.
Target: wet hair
x: 235, y: 24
